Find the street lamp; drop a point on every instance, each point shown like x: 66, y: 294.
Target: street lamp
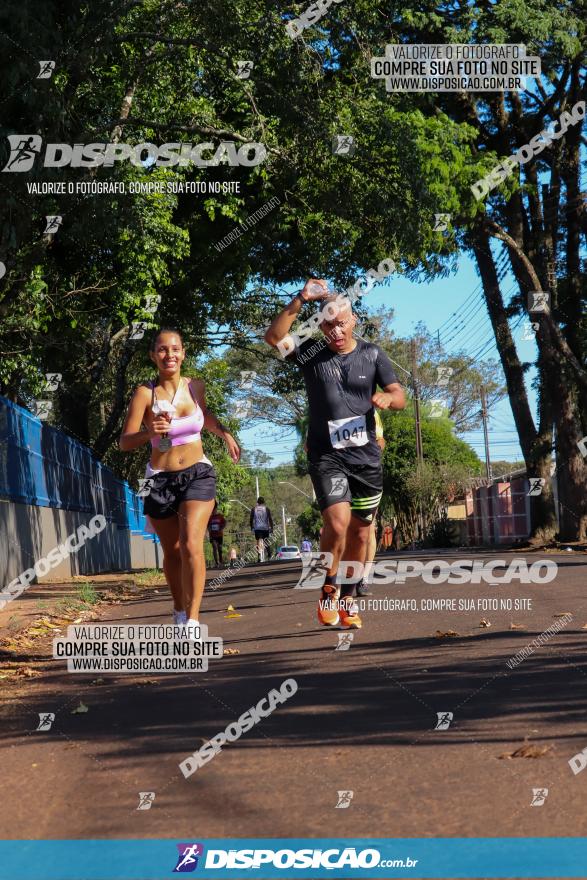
x: 297, y: 488
x: 239, y: 502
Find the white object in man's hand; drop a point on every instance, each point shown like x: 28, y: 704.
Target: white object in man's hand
x: 314, y: 289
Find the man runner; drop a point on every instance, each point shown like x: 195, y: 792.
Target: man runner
x: 261, y: 523
x: 341, y: 377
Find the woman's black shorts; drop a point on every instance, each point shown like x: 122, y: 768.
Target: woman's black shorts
x: 169, y: 488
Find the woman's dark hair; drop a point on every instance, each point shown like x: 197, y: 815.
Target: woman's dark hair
x: 260, y: 500
x: 161, y: 330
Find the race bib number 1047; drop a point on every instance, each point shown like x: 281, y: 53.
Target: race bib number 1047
x: 348, y: 432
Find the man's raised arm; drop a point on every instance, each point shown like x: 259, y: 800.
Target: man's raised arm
x: 278, y: 330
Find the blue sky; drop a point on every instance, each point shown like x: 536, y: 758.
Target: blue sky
x: 454, y: 306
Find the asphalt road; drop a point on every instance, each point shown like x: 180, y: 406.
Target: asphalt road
x: 362, y: 720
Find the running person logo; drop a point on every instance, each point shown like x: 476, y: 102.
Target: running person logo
x: 539, y: 795
x: 24, y: 149
x: 146, y: 799
x: 314, y: 569
x: 343, y: 145
x: 187, y: 860
x: 46, y: 719
x: 46, y: 69
x: 338, y: 486
x: 344, y: 800
x: 444, y: 719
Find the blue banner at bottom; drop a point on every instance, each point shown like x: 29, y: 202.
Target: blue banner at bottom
x: 517, y: 857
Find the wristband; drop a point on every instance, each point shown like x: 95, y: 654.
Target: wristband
x: 300, y: 295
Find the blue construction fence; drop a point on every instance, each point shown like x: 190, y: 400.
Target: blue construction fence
x: 42, y: 466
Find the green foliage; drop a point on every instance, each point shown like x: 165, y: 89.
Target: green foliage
x: 310, y: 522
x: 410, y: 490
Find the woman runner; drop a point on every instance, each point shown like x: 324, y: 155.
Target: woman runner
x: 170, y: 412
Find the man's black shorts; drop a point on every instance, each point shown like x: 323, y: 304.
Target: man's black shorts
x: 334, y: 481
x: 261, y: 534
x: 170, y: 488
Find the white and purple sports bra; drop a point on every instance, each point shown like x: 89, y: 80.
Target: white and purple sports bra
x: 186, y: 429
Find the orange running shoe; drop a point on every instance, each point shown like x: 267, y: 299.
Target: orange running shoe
x: 348, y: 611
x: 327, y: 606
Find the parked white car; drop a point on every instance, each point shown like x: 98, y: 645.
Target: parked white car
x: 289, y: 552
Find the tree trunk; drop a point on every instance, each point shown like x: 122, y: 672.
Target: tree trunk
x: 536, y: 447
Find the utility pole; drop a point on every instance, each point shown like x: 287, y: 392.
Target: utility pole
x: 419, y: 449
x: 419, y: 452
x: 283, y: 525
x: 257, y: 485
x: 485, y: 432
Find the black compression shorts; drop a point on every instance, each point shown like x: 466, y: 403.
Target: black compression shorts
x: 170, y: 488
x: 335, y: 480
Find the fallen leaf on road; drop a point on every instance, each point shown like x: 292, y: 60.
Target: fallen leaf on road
x: 563, y: 614
x: 584, y: 626
x: 528, y: 750
x: 449, y: 634
x: 517, y: 625
x: 27, y: 672
x: 231, y: 651
x: 232, y: 612
x: 484, y: 622
x: 97, y: 681
x: 80, y: 709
